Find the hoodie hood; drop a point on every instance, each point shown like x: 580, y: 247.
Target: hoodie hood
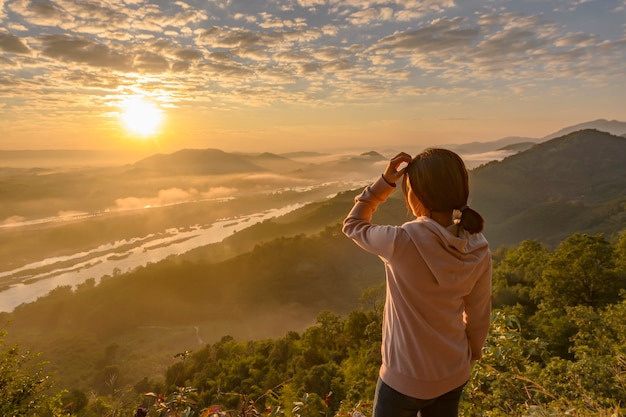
x: 449, y: 257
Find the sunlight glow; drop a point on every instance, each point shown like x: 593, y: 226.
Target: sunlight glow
x: 140, y: 116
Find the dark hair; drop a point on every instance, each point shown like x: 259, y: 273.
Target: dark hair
x: 440, y: 181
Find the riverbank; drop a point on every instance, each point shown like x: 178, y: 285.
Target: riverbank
x: 27, y: 283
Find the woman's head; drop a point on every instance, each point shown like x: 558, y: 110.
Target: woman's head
x: 439, y: 180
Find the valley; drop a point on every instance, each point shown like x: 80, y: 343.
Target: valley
x: 157, y: 263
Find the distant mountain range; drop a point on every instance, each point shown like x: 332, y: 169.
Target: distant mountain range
x: 213, y: 161
x: 580, y: 174
x: 614, y: 127
x: 576, y: 182
x: 573, y: 183
x: 217, y: 162
x: 188, y: 161
x: 521, y: 143
x: 546, y: 190
x: 196, y: 162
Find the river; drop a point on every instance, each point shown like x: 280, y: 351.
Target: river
x: 39, y: 278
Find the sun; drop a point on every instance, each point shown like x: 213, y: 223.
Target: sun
x: 140, y: 116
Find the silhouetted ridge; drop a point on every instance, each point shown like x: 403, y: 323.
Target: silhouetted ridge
x: 372, y: 155
x: 517, y: 147
x: 197, y: 162
x: 303, y: 154
x: 614, y: 127
x: 551, y: 183
x: 481, y: 147
x: 270, y: 156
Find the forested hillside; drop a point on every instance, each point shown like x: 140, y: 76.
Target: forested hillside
x: 574, y: 183
x: 557, y: 346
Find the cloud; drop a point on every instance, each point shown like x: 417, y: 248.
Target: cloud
x: 311, y: 3
x: 94, y: 12
x: 12, y: 220
x: 219, y: 37
x: 440, y: 35
x: 277, y: 179
x: 269, y: 21
x: 83, y: 50
x: 75, y: 54
x: 497, y: 46
x: 371, y: 15
x: 225, y: 71
x: 172, y: 196
x: 40, y: 13
x: 218, y: 192
x: 12, y: 44
x: 98, y: 79
x: 580, y: 40
x: 151, y: 62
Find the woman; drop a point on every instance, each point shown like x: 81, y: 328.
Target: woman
x: 438, y: 301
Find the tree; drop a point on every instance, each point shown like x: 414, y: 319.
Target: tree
x: 581, y: 271
x: 517, y: 272
x: 21, y: 383
x: 322, y: 342
x: 497, y: 381
x: 74, y: 401
x: 620, y: 256
x: 593, y: 379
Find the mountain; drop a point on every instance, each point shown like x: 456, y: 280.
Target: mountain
x: 610, y: 126
x: 546, y: 191
x: 199, y: 162
x: 273, y: 162
x: 572, y: 183
x: 352, y: 167
x: 517, y: 147
x: 521, y: 143
x: 196, y: 162
x: 304, y: 154
x: 482, y: 147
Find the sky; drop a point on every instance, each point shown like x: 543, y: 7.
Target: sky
x: 289, y: 75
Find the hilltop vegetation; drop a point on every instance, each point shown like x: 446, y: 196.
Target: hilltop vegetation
x: 569, y: 184
x: 557, y: 346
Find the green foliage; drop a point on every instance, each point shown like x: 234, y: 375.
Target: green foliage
x: 620, y: 256
x: 22, y: 383
x: 317, y: 370
x: 574, y: 183
x: 557, y: 346
x: 581, y: 271
x: 64, y: 404
x: 558, y: 341
x: 498, y: 386
x: 539, y: 285
x: 277, y: 287
x: 516, y: 274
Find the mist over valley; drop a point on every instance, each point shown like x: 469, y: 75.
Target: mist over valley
x: 87, y: 222
x: 173, y: 251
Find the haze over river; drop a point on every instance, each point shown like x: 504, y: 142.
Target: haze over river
x: 27, y: 283
x: 37, y: 279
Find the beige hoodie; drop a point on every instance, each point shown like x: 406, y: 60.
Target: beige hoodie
x: 438, y: 302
